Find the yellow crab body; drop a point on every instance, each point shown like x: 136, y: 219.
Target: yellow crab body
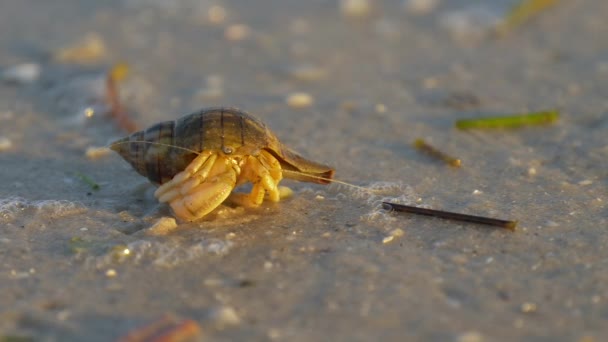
x: 200, y: 158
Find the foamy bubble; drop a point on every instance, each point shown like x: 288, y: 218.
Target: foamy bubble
x: 373, y: 195
x: 13, y: 208
x: 163, y: 253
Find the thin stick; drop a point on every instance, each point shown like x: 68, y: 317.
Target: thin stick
x: 450, y: 215
x: 422, y: 145
x: 117, y: 110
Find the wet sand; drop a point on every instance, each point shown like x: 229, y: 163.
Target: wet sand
x: 327, y: 264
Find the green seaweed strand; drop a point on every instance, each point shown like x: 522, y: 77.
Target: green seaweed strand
x: 511, y: 121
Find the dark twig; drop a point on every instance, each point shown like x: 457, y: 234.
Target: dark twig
x: 450, y: 215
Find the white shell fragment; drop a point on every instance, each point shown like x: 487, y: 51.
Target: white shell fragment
x: 299, y: 100
x: 5, y: 143
x: 237, y: 32
x: 21, y: 74
x: 355, y: 8
x: 398, y: 232
x: 163, y: 226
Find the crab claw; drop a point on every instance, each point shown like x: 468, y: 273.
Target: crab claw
x: 200, y: 188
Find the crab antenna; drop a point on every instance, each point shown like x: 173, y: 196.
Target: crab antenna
x: 331, y: 180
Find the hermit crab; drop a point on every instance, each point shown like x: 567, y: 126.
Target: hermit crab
x: 200, y: 158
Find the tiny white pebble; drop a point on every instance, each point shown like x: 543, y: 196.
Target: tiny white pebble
x: 585, y: 182
x: 212, y: 282
x: 470, y: 336
x: 532, y: 171
x: 355, y: 8
x: 267, y: 265
x: 274, y: 334
x: 380, y: 108
x: 21, y: 74
x: 237, y: 32
x: 5, y: 143
x: 388, y: 239
x: 111, y: 273
x: 319, y: 198
x: 477, y: 192
x: 230, y: 235
x: 420, y: 7
x: 299, y: 100
x: 528, y: 307
x: 84, y: 229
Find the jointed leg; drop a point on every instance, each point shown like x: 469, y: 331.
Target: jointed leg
x: 201, y: 187
x: 265, y: 173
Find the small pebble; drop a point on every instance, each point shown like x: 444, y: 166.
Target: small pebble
x: 94, y: 152
x: 226, y: 315
x: 585, y: 182
x: 470, y: 336
x: 470, y: 25
x: 528, y: 307
x: 355, y: 8
x: 477, y: 192
x: 319, y: 198
x: 7, y: 115
x: 420, y: 7
x: 111, y: 273
x: 397, y: 232
x: 388, y: 239
x: 274, y: 334
x: 21, y: 74
x: 237, y: 32
x: 5, y: 143
x: 299, y: 100
x: 216, y: 14
x: 163, y: 226
x: 380, y: 108
x: 531, y: 171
